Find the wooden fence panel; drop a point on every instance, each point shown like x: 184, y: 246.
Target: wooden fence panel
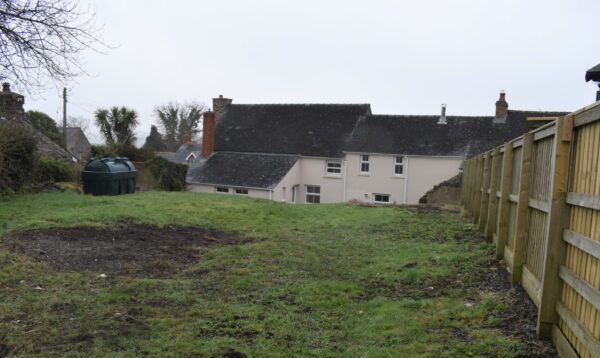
x: 580, y: 300
x: 538, y: 197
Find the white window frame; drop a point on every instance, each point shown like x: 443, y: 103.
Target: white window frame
x: 241, y: 190
x: 402, y: 165
x: 313, y: 194
x: 389, y: 198
x: 221, y: 189
x: 333, y: 171
x: 364, y: 160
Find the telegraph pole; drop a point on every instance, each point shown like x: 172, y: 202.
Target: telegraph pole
x: 65, y: 118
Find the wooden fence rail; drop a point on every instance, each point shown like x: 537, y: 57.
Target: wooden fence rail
x: 537, y: 198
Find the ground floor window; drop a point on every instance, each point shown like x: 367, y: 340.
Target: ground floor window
x: 241, y: 191
x: 313, y: 194
x: 381, y: 198
x: 221, y: 189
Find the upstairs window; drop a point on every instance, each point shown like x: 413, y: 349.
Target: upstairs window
x: 334, y: 168
x: 364, y: 164
x: 221, y: 189
x: 399, y: 166
x: 313, y: 194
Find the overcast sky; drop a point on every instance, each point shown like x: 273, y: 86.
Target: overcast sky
x: 402, y: 57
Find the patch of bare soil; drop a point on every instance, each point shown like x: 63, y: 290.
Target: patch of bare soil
x: 127, y: 249
x: 520, y: 317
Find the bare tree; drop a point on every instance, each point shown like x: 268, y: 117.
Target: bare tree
x: 81, y: 122
x: 42, y: 39
x: 177, y: 120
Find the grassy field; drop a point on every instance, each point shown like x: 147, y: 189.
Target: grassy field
x: 323, y: 280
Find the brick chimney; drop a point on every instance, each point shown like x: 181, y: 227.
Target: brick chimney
x: 187, y: 138
x: 5, y: 87
x: 501, y: 108
x: 219, y: 105
x: 208, y: 134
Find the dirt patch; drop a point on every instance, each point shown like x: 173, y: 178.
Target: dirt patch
x: 128, y: 249
x: 520, y: 317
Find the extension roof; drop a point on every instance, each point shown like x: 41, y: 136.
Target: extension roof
x: 184, y: 151
x: 263, y: 171
x: 593, y: 74
x: 422, y: 135
x: 318, y: 130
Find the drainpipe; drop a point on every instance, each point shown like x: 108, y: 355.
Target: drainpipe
x: 406, y: 181
x: 345, y: 178
x: 270, y: 194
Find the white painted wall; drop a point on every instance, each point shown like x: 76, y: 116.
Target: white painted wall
x: 380, y: 180
x: 426, y: 172
x: 421, y: 174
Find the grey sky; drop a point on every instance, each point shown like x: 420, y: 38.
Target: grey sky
x: 402, y: 57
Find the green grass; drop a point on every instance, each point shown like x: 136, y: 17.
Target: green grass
x: 319, y: 280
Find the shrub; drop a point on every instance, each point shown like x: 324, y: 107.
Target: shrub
x: 55, y: 170
x: 170, y: 176
x: 17, y: 157
x: 132, y: 153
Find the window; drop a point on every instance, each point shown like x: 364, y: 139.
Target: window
x: 364, y: 164
x: 381, y: 198
x: 399, y: 166
x: 334, y: 168
x: 241, y: 191
x: 313, y: 194
x: 221, y: 189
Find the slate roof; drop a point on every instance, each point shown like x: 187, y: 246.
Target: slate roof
x: 593, y: 74
x: 166, y: 155
x: 421, y: 135
x: 77, y: 142
x: 185, y: 150
x: 300, y: 129
x: 242, y: 170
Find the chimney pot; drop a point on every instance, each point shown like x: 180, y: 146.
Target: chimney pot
x: 443, y: 115
x: 187, y: 138
x: 208, y: 134
x: 219, y: 105
x: 501, y: 108
x: 5, y: 87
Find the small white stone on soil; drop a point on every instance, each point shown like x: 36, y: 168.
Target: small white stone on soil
x: 469, y: 304
x: 38, y: 288
x: 102, y: 275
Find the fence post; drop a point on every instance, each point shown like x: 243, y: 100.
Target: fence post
x: 493, y: 199
x: 522, y: 210
x: 465, y: 184
x: 558, y: 220
x: 478, y: 184
x: 504, y: 203
x: 483, y: 211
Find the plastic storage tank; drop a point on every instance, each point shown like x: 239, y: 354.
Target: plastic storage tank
x: 109, y: 176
